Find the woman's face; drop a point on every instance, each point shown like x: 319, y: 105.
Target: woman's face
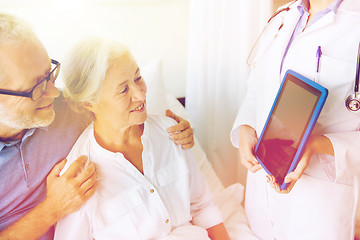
x: 122, y: 99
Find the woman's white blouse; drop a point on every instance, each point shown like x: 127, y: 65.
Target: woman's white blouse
x: 129, y: 205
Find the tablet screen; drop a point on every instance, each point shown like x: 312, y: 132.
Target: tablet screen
x: 286, y: 126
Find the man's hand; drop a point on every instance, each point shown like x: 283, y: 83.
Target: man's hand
x: 247, y: 143
x: 66, y: 193
x: 182, y: 133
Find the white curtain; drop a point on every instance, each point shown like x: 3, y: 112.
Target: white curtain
x: 221, y: 35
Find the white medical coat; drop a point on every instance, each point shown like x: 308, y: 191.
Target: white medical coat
x: 323, y: 203
x: 129, y: 205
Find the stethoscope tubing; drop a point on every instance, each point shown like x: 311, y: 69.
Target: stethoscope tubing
x: 256, y: 46
x: 356, y: 88
x: 286, y: 9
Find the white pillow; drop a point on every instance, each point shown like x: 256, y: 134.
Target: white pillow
x: 156, y: 92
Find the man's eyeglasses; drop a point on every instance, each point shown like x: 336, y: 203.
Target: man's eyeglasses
x: 38, y: 90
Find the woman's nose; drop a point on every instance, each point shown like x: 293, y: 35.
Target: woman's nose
x: 138, y: 93
x: 51, y: 91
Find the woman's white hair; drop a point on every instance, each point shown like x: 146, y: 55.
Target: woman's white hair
x: 86, y: 66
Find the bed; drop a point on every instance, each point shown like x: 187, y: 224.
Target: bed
x: 228, y: 199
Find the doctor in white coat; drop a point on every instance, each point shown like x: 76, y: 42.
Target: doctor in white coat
x: 321, y: 201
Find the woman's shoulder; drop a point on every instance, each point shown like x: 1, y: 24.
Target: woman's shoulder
x: 160, y: 122
x: 81, y: 147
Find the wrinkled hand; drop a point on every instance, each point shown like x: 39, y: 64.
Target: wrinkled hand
x: 66, y: 193
x: 248, y: 140
x: 182, y: 133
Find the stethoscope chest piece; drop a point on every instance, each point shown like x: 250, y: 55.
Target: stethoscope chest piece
x: 353, y: 102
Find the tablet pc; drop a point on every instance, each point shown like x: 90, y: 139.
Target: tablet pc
x: 290, y: 122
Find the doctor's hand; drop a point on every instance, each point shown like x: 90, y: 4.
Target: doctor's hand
x: 247, y: 143
x: 316, y: 144
x: 182, y: 133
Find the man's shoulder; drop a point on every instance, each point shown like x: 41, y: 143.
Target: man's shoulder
x: 65, y: 129
x: 66, y: 117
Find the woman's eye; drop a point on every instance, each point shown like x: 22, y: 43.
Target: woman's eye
x: 138, y: 79
x: 124, y: 90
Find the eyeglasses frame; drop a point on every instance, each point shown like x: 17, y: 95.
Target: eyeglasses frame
x: 29, y: 94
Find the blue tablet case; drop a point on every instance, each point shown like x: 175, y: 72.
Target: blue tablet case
x: 291, y: 120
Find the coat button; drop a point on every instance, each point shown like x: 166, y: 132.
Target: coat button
x: 151, y: 190
x: 167, y: 221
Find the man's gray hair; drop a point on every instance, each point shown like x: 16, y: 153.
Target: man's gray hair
x: 14, y: 29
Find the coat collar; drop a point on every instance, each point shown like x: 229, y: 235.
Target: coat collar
x: 350, y: 6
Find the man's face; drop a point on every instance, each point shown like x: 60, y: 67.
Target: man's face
x: 23, y: 64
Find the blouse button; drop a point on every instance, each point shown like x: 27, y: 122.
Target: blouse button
x: 151, y: 190
x: 167, y: 221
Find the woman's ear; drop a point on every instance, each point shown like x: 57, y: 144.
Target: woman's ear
x: 88, y: 106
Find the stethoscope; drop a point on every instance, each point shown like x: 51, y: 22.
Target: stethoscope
x: 352, y: 102
x: 273, y: 25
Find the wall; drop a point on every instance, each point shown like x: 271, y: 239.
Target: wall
x: 151, y: 28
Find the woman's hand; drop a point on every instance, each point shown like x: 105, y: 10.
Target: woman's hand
x: 316, y: 144
x: 248, y: 140
x: 182, y: 133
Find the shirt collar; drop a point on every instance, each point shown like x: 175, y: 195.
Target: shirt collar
x: 334, y: 6
x: 26, y: 135
x: 2, y: 145
x: 302, y: 7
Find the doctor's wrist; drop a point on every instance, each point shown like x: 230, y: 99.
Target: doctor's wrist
x: 321, y: 144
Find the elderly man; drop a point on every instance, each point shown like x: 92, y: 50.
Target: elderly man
x: 33, y: 143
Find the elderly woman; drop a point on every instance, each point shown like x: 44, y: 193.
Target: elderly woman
x: 148, y: 188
